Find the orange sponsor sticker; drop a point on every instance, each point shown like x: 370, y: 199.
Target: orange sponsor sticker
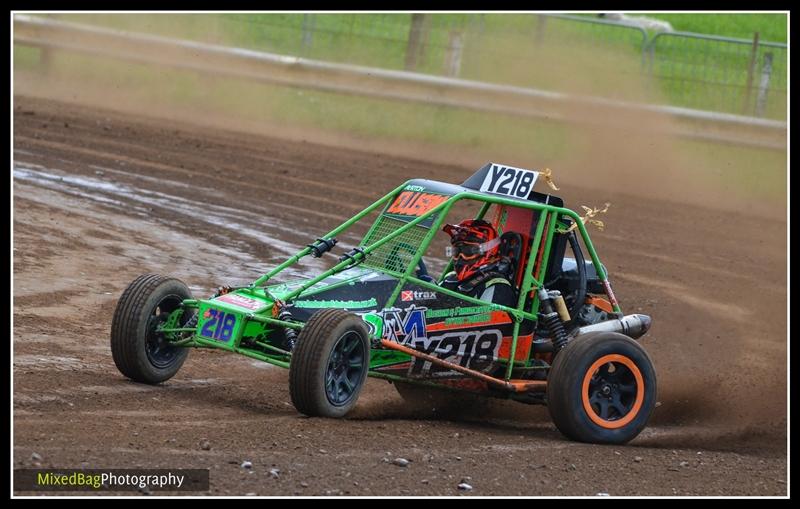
x: 414, y: 203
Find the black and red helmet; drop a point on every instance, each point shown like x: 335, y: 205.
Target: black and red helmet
x: 475, y: 243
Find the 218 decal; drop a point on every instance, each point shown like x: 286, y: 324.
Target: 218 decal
x: 475, y: 350
x: 219, y: 325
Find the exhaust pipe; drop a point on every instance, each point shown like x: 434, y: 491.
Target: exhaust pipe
x: 633, y: 326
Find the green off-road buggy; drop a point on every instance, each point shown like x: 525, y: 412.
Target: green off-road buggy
x: 377, y: 312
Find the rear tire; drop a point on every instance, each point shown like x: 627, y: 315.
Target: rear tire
x: 329, y: 364
x: 139, y: 352
x: 601, y: 388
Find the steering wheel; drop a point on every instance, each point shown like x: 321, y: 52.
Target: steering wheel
x: 395, y: 263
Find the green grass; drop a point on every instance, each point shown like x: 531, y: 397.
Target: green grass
x: 25, y: 58
x: 771, y: 27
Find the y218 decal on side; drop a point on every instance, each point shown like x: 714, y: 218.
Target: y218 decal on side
x: 509, y: 181
x: 219, y: 325
x: 470, y: 349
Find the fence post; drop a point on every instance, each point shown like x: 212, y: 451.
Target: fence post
x: 308, y: 29
x: 763, y: 86
x: 750, y: 72
x: 46, y: 59
x: 415, y: 41
x: 452, y: 58
x: 651, y: 53
x: 541, y: 23
x: 645, y: 41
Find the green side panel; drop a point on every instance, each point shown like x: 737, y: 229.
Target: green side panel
x: 253, y: 329
x: 375, y: 323
x: 380, y: 358
x: 349, y: 276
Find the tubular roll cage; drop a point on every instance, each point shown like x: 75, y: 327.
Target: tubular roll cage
x: 548, y: 217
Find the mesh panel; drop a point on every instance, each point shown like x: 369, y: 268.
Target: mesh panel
x: 397, y: 253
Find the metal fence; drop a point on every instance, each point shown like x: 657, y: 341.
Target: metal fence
x: 711, y: 73
x: 739, y: 76
x: 720, y: 73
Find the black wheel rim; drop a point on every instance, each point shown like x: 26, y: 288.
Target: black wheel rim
x: 612, y: 391
x: 160, y: 352
x: 345, y: 370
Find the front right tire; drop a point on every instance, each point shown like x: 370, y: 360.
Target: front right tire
x: 601, y: 388
x: 329, y: 364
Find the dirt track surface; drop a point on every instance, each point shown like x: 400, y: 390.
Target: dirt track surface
x: 101, y: 197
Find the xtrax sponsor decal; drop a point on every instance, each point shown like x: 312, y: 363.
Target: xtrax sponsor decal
x: 242, y: 301
x: 411, y: 295
x: 475, y: 350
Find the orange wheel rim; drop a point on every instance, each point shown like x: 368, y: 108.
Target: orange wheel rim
x: 612, y: 391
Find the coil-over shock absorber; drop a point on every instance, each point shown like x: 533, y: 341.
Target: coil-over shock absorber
x: 552, y: 319
x: 291, y: 334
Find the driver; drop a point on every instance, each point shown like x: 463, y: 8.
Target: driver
x: 480, y: 270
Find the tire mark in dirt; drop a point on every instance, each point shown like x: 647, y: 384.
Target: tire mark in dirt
x: 109, y: 124
x: 176, y: 159
x: 222, y: 220
x: 171, y: 169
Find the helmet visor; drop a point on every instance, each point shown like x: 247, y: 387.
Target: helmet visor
x: 466, y: 251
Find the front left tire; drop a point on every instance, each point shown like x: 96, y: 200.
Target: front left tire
x: 139, y: 351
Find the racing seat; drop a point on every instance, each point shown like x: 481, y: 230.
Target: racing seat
x: 516, y: 227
